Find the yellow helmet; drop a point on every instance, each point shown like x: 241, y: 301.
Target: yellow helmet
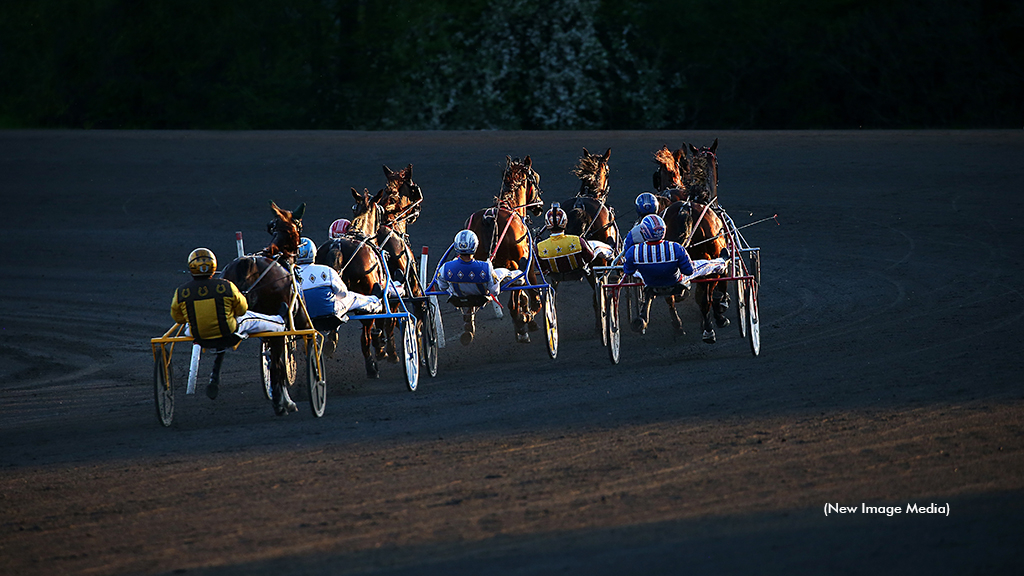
x: 202, y: 263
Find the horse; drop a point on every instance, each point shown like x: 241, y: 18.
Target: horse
x: 266, y: 281
x: 505, y: 241
x: 356, y: 261
x: 701, y: 180
x: 402, y: 202
x: 590, y: 217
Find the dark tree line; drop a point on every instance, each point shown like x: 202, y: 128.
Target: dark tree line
x: 512, y: 64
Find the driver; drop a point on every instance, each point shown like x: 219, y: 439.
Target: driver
x: 663, y: 263
x: 217, y: 315
x: 338, y: 228
x: 560, y: 252
x: 325, y: 293
x: 646, y: 204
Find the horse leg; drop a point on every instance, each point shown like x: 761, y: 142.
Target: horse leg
x: 278, y: 376
x: 720, y: 304
x: 371, y: 363
x: 703, y: 298
x: 677, y: 322
x: 214, y: 386
x: 640, y: 322
x: 468, y: 316
x: 331, y: 343
x: 520, y: 319
x: 389, y: 333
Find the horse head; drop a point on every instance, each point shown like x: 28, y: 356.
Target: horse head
x: 285, y: 228
x: 520, y: 187
x: 367, y: 213
x: 402, y: 197
x: 592, y: 170
x: 702, y: 180
x: 672, y: 166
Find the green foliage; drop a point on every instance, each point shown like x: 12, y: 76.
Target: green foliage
x: 511, y: 64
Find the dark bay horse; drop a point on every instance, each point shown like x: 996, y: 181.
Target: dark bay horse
x: 589, y: 215
x: 356, y: 261
x: 505, y: 240
x: 265, y: 280
x: 402, y: 203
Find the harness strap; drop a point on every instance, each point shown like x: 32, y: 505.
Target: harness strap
x: 695, y: 226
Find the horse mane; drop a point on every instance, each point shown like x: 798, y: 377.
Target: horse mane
x: 587, y: 170
x: 665, y: 157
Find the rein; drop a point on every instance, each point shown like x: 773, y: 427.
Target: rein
x: 265, y: 270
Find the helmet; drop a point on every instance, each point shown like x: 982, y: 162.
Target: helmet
x: 556, y: 217
x: 339, y: 227
x: 646, y: 204
x: 307, y: 252
x: 202, y: 263
x: 466, y: 242
x: 652, y: 228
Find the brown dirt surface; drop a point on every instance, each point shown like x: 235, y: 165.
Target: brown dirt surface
x: 890, y: 326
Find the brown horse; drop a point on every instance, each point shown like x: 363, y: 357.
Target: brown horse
x: 356, y: 261
x: 505, y: 240
x: 590, y: 217
x: 265, y: 280
x: 402, y: 203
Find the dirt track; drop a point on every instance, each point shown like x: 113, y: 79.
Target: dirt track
x: 891, y: 312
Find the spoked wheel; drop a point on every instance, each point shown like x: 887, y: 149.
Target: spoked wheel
x: 410, y: 352
x: 752, y: 304
x: 316, y: 381
x: 602, y: 310
x: 290, y: 363
x: 551, y: 322
x: 428, y: 338
x: 612, y: 324
x: 265, y: 361
x: 163, y: 377
x: 741, y: 297
x: 755, y: 321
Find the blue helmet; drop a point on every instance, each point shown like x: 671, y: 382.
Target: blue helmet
x: 646, y: 204
x: 652, y: 228
x: 307, y: 252
x: 466, y: 242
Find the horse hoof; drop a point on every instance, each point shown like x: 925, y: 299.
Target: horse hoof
x: 211, y: 389
x: 393, y: 358
x: 722, y: 322
x: 532, y: 326
x: 709, y: 336
x: 523, y: 338
x: 680, y: 331
x: 639, y: 325
x: 371, y: 369
x: 466, y: 338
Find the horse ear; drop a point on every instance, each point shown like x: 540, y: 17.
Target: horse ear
x: 527, y: 162
x: 280, y: 213
x: 298, y: 212
x: 387, y: 171
x: 378, y: 196
x: 355, y: 194
x: 586, y: 152
x: 408, y: 172
x: 714, y: 146
x: 607, y: 154
x: 693, y: 149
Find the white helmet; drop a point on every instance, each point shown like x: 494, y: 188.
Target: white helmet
x: 466, y: 242
x: 307, y: 252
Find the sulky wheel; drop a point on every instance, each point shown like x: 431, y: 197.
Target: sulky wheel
x: 265, y: 361
x: 316, y: 380
x: 163, y: 388
x: 755, y: 320
x: 410, y: 351
x: 614, y: 334
x: 741, y: 296
x: 551, y: 322
x: 428, y: 338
